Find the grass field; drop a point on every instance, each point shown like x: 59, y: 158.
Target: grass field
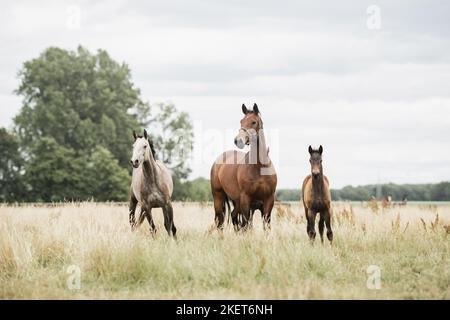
x: 44, y: 249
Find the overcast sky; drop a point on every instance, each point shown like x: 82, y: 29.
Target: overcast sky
x: 371, y: 84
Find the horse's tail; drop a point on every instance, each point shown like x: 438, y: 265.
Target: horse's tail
x: 227, y: 203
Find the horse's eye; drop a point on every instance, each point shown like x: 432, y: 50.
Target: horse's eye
x: 145, y: 147
x: 253, y: 123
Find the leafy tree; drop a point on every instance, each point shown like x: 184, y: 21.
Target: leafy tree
x: 11, y: 165
x: 180, y: 189
x: 198, y: 190
x: 55, y: 173
x: 107, y: 180
x: 79, y: 99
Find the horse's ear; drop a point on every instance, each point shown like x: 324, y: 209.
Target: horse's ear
x: 310, y: 150
x: 320, y: 149
x: 134, y: 135
x: 244, y: 109
x: 145, y: 134
x: 255, y: 109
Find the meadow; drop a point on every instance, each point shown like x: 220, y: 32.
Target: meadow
x: 87, y: 251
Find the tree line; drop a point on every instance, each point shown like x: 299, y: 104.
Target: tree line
x: 398, y: 192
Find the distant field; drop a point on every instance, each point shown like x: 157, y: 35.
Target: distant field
x: 44, y: 249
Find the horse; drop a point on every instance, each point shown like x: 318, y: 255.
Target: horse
x: 151, y: 186
x: 247, y: 179
x: 317, y: 197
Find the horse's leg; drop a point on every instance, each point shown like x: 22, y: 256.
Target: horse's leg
x: 235, y: 218
x: 306, y: 211
x: 245, y: 211
x: 141, y: 218
x: 321, y: 225
x: 311, y: 225
x: 267, y: 212
x: 132, y: 209
x: 219, y: 198
x: 239, y: 216
x: 328, y: 224
x: 168, y: 220
x: 250, y: 221
x: 149, y: 216
x: 174, y: 229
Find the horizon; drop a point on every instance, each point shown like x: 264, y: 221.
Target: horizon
x: 357, y: 186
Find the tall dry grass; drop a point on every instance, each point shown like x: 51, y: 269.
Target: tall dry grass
x: 411, y: 246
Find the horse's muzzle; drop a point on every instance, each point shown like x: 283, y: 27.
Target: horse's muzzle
x: 135, y: 163
x: 239, y: 143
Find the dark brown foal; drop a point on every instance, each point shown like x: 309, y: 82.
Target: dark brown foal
x: 317, y: 197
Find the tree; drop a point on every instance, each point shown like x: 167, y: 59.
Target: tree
x: 107, y: 180
x: 55, y: 173
x: 80, y: 100
x: 198, y: 190
x: 11, y: 167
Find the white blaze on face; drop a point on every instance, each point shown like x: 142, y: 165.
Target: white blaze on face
x: 140, y: 146
x: 243, y: 138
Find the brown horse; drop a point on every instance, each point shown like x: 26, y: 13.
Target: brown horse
x: 248, y: 179
x: 317, y: 197
x: 151, y: 186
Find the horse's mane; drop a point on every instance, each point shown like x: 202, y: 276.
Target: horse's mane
x: 152, y: 147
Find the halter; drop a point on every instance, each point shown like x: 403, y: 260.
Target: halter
x: 245, y: 130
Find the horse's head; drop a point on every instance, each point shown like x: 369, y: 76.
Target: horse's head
x: 250, y: 126
x: 140, y: 148
x: 316, y: 161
